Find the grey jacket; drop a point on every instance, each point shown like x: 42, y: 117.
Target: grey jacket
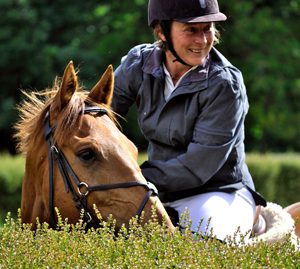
x: 196, y: 136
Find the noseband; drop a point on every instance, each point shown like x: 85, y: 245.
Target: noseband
x: 65, y: 170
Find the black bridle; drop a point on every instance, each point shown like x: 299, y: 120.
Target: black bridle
x: 66, y: 170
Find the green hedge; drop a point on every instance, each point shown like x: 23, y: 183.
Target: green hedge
x: 12, y: 170
x: 276, y: 177
x: 151, y: 246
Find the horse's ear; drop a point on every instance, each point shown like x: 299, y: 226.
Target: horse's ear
x: 67, y: 88
x: 102, y: 92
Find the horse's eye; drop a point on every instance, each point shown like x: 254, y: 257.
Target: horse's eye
x: 87, y: 155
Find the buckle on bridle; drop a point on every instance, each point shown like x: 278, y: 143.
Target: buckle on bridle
x: 151, y: 186
x: 89, y: 216
x: 79, y: 186
x: 54, y: 149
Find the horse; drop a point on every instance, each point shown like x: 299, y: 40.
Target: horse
x: 96, y: 165
x: 294, y: 211
x: 77, y: 159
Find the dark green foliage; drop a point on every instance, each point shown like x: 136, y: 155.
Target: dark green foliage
x: 39, y: 37
x: 261, y: 38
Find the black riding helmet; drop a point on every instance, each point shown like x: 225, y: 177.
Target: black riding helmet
x: 188, y: 11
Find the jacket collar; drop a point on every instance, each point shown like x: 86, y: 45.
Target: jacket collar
x: 153, y: 65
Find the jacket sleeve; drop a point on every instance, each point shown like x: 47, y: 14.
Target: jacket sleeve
x: 219, y: 127
x: 128, y: 77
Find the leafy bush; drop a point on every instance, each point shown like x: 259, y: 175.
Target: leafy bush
x: 276, y: 176
x: 151, y: 246
x: 12, y: 168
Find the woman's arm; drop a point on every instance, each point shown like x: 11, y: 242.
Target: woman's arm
x: 219, y: 127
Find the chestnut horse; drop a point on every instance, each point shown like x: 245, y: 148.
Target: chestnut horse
x: 95, y: 164
x: 76, y: 157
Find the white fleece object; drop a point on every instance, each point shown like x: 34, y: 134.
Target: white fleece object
x: 280, y: 226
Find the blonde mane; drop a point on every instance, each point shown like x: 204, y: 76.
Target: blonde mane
x: 33, y: 109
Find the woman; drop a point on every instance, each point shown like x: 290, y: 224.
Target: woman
x: 192, y: 105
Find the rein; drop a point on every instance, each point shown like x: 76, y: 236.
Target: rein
x: 65, y: 170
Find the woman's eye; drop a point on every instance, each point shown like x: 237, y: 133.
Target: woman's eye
x: 191, y: 29
x: 87, y: 155
x: 208, y: 28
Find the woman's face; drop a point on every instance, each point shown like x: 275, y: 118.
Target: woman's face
x: 192, y: 41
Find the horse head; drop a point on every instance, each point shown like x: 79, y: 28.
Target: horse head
x: 76, y: 129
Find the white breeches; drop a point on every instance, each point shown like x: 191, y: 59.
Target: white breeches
x: 227, y: 211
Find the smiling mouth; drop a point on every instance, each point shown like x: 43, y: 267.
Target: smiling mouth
x: 196, y: 51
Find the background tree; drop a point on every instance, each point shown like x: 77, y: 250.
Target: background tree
x: 39, y: 37
x: 262, y: 40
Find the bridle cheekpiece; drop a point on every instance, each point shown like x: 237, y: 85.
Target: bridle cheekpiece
x: 66, y: 172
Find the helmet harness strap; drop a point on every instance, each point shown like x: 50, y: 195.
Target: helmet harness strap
x: 165, y: 27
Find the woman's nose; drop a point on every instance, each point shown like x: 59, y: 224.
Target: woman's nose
x: 201, y: 38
